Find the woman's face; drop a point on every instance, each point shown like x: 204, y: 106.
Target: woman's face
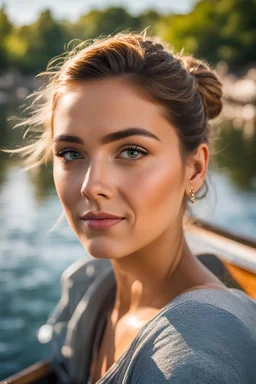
x: 144, y: 185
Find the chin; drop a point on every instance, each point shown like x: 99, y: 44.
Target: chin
x: 103, y: 249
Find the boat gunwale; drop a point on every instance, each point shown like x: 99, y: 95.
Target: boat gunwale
x: 229, y: 248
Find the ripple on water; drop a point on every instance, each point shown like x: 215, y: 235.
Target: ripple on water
x: 9, y: 349
x: 13, y: 323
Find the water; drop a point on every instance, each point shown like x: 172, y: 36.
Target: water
x: 32, y: 257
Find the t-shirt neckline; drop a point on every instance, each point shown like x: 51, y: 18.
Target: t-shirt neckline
x: 117, y: 363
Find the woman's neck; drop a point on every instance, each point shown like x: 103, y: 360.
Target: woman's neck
x: 155, y: 275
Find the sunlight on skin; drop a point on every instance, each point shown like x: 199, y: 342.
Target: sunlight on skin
x: 134, y: 322
x: 150, y: 259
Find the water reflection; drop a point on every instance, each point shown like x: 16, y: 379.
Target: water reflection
x: 9, y: 138
x: 41, y: 179
x: 236, y: 156
x: 4, y: 131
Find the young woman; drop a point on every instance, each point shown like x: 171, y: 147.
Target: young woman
x: 126, y: 121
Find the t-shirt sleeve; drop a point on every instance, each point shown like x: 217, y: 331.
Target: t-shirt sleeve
x: 197, y: 343
x: 196, y: 369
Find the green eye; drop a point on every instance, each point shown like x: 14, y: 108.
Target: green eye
x: 133, y: 152
x: 68, y: 155
x: 74, y: 155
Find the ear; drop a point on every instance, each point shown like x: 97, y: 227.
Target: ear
x: 197, y: 166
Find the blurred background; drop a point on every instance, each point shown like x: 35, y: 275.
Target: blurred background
x: 31, y: 33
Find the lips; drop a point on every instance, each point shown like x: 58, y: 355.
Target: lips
x: 100, y: 216
x: 102, y: 223
x: 101, y: 220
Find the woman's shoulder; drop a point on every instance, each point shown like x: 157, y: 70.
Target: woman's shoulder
x: 208, y: 335
x: 207, y: 312
x: 232, y: 300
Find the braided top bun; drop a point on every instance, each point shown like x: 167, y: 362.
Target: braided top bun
x: 209, y: 86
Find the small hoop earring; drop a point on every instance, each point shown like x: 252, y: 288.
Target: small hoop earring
x: 192, y: 195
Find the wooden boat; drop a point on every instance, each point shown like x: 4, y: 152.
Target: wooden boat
x: 231, y: 258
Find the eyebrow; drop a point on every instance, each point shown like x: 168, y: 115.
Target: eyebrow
x: 115, y: 136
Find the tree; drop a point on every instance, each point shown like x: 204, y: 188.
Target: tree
x: 47, y: 40
x: 149, y: 18
x: 215, y: 30
x: 31, y: 47
x: 5, y: 30
x: 109, y: 21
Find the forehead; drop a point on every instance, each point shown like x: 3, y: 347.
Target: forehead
x: 106, y: 105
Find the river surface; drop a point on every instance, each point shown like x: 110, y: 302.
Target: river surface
x: 33, y: 256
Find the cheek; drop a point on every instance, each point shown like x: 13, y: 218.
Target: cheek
x: 158, y: 193
x: 66, y: 185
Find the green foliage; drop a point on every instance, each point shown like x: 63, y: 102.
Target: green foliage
x: 31, y: 47
x: 112, y: 19
x: 214, y: 30
x: 48, y: 40
x: 5, y: 29
x: 109, y: 21
x: 241, y: 169
x: 5, y: 24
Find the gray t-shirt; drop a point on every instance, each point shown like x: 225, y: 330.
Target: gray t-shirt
x: 202, y: 336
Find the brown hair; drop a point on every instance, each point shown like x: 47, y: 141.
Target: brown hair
x: 187, y: 89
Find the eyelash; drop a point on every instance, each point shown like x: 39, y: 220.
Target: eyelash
x: 134, y: 147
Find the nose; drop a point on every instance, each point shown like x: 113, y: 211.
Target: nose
x: 97, y: 181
